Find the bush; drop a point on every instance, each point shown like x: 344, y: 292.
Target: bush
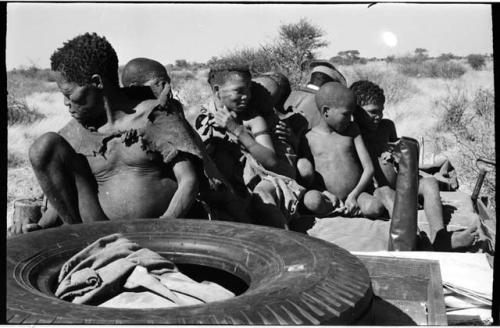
x: 288, y: 54
x: 477, y: 62
x: 413, y: 67
x: 21, y: 83
x: 471, y: 124
x: 15, y: 160
x: 19, y: 112
x: 396, y: 87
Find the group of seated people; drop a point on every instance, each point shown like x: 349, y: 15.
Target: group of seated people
x: 258, y: 152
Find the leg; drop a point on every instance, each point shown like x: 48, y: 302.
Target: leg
x: 370, y: 206
x: 386, y: 195
x: 428, y: 188
x: 66, y: 179
x: 433, y: 208
x: 318, y: 203
x: 266, y: 206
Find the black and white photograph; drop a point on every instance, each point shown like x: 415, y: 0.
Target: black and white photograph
x: 250, y: 164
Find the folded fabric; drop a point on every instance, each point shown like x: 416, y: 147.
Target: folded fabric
x: 289, y: 192
x: 100, y: 270
x: 206, y: 291
x: 78, y: 284
x: 98, y: 254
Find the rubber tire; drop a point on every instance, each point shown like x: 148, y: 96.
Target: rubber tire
x: 292, y: 278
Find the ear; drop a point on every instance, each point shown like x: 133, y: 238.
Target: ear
x: 324, y: 110
x: 96, y: 81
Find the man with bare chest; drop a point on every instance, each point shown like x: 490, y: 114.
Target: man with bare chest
x: 109, y: 161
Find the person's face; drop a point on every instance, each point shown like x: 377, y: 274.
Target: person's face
x: 374, y: 115
x: 338, y: 118
x: 84, y: 102
x: 157, y: 84
x: 235, y: 93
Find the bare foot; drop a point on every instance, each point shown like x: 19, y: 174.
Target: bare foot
x: 464, y: 238
x: 454, y: 241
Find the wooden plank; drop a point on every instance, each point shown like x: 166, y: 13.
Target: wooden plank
x: 400, y: 288
x: 435, y: 302
x: 408, y: 288
x: 395, y: 267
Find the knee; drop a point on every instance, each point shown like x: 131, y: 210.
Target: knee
x: 382, y: 192
x: 372, y: 208
x: 305, y: 168
x: 428, y: 185
x: 42, y: 150
x: 315, y: 202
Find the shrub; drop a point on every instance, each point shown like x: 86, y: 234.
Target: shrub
x: 19, y: 112
x: 396, y: 87
x: 446, y: 57
x: 431, y: 68
x: 20, y: 83
x: 288, y: 54
x: 470, y: 121
x: 477, y: 62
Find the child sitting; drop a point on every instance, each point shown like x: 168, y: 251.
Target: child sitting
x: 336, y: 151
x: 269, y: 92
x: 148, y: 72
x: 378, y: 133
x: 239, y: 141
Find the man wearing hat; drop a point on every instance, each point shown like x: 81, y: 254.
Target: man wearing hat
x: 302, y: 100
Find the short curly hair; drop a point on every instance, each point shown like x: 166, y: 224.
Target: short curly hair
x: 218, y: 74
x: 141, y: 70
x: 85, y: 55
x: 368, y: 92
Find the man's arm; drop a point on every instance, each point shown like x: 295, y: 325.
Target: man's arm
x: 187, y: 188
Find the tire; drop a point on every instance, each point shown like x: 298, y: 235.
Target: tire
x: 291, y: 278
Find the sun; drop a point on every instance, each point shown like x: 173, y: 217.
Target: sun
x: 390, y: 39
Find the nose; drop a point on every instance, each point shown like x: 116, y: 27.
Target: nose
x: 67, y: 102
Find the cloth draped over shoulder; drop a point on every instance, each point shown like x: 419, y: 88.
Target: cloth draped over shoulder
x: 246, y: 171
x: 165, y: 132
x: 103, y: 271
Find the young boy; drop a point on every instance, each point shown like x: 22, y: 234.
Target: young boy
x: 338, y: 153
x: 378, y: 133
x: 92, y: 170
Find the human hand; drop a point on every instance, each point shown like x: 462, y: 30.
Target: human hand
x: 165, y: 95
x: 18, y: 228
x: 226, y: 119
x: 284, y: 133
x: 351, y: 206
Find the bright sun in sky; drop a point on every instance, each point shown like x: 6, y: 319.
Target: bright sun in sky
x: 390, y: 39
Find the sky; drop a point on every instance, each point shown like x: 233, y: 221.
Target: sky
x: 196, y: 32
